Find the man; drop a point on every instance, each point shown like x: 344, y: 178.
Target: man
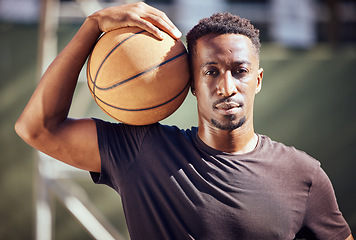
x: 218, y: 181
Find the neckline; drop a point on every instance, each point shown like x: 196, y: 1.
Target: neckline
x: 214, y: 151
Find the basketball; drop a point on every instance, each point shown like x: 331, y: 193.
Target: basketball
x: 136, y: 78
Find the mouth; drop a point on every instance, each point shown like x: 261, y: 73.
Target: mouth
x: 228, y: 106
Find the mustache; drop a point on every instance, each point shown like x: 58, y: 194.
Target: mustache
x: 227, y: 100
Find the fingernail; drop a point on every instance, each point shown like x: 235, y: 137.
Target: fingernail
x: 177, y: 33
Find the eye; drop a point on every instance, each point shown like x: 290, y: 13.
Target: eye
x: 239, y: 72
x: 211, y: 72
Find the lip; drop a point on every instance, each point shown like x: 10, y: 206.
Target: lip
x: 228, y: 107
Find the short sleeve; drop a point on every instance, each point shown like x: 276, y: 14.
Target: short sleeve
x: 119, y: 145
x: 323, y: 217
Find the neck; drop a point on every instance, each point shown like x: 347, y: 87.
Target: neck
x: 238, y: 141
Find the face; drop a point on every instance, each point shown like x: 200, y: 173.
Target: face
x: 226, y: 77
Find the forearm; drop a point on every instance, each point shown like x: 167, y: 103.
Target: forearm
x: 50, y: 103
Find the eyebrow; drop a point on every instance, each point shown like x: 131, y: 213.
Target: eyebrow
x: 215, y: 63
x: 208, y: 63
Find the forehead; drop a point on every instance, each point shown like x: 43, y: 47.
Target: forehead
x: 227, y: 47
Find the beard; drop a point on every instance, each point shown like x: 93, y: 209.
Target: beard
x: 231, y: 125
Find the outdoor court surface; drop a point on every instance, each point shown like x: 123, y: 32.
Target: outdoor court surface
x: 307, y: 100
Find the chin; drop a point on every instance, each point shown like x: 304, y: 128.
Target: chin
x: 230, y: 125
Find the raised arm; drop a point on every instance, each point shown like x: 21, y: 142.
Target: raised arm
x: 44, y: 123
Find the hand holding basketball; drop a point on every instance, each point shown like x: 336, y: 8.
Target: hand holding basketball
x: 137, y: 14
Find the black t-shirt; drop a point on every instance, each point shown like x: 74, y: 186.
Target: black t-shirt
x: 173, y: 186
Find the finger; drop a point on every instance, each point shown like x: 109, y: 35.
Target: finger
x: 159, y: 18
x: 164, y: 24
x: 146, y: 25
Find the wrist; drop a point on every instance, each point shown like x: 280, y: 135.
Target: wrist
x: 93, y: 23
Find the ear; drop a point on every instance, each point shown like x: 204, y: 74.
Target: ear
x: 259, y: 80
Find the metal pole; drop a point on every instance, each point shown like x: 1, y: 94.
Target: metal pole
x: 47, y: 52
x: 44, y: 207
x: 48, y: 34
x: 47, y: 169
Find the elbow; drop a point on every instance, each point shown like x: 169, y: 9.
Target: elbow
x: 25, y: 132
x: 21, y: 130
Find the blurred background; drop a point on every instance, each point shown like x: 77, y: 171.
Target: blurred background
x: 307, y: 101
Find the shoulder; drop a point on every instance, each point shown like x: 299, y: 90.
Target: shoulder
x: 109, y: 129
x: 288, y: 156
x: 153, y: 130
x: 168, y: 133
x: 274, y: 148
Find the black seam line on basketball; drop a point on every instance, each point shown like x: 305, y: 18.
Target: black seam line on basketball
x: 91, y: 80
x: 89, y: 72
x: 107, y: 56
x: 144, y: 109
x: 141, y: 73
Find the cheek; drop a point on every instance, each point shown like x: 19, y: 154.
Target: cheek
x: 204, y: 85
x: 199, y: 85
x: 249, y: 100
x: 203, y: 100
x: 251, y: 86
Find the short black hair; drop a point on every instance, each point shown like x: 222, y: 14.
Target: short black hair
x: 223, y: 23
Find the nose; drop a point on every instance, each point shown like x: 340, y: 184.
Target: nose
x: 226, y: 86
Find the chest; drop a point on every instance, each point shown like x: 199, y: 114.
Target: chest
x: 219, y: 195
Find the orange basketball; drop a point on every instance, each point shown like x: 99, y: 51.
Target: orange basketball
x: 136, y: 78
